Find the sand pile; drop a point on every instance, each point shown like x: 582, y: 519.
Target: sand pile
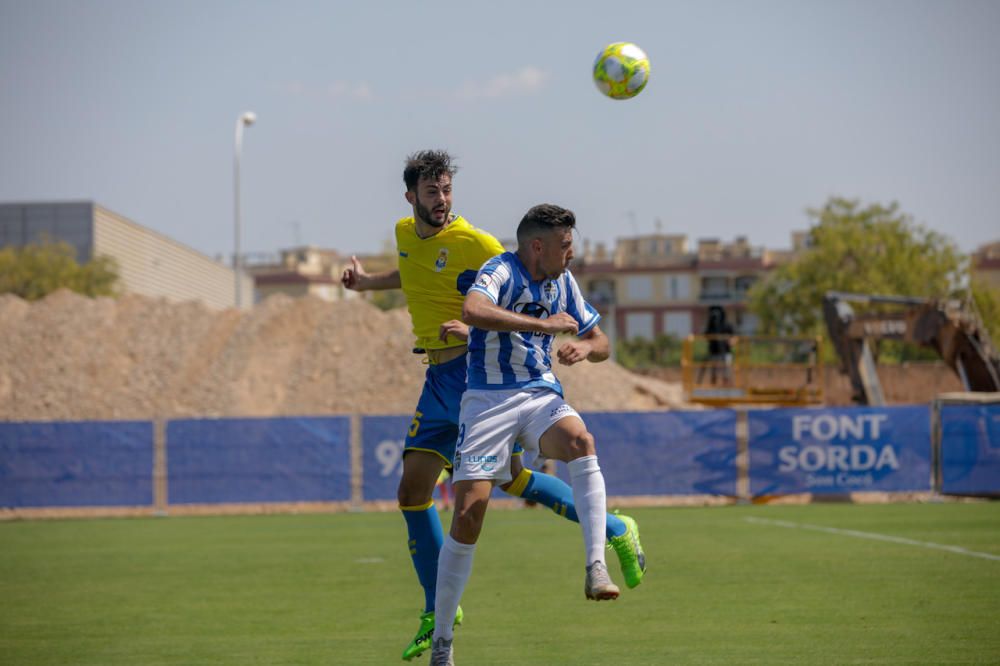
x: 68, y: 357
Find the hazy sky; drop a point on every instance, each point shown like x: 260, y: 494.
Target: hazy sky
x: 755, y: 111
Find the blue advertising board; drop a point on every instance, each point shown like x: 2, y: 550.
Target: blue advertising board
x: 382, y: 455
x: 839, y: 450
x: 76, y: 464
x: 666, y: 453
x: 382, y: 440
x: 259, y: 460
x: 970, y: 449
x: 648, y: 453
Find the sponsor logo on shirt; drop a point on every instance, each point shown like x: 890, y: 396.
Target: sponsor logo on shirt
x: 536, y: 310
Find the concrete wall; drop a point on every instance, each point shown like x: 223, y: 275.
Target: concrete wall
x: 149, y: 263
x: 154, y: 265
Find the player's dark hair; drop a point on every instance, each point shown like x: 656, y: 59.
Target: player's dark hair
x: 430, y: 164
x: 542, y: 219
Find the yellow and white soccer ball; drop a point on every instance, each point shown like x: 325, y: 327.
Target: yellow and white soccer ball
x: 621, y: 70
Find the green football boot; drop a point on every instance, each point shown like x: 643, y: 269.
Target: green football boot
x: 422, y: 641
x: 629, y: 551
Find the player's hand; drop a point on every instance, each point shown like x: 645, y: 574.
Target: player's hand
x: 574, y: 352
x: 454, y: 328
x: 560, y: 323
x: 354, y: 276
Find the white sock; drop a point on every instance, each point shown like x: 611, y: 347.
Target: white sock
x: 591, y: 504
x: 454, y: 567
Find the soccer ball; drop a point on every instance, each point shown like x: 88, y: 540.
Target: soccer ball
x: 621, y: 70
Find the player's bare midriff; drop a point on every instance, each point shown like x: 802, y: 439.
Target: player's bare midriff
x: 439, y: 356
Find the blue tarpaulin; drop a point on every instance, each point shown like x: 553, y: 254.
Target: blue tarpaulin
x: 654, y: 453
x: 667, y: 453
x: 73, y: 464
x: 308, y: 459
x: 382, y: 445
x: 382, y: 440
x: 970, y: 449
x: 259, y: 460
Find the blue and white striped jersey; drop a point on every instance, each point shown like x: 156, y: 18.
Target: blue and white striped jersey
x: 507, y: 360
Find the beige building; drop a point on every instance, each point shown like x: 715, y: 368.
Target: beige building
x: 308, y: 271
x: 659, y: 285
x: 986, y: 264
x: 149, y: 263
x: 300, y: 271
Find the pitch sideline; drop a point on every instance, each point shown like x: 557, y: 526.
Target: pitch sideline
x: 872, y: 535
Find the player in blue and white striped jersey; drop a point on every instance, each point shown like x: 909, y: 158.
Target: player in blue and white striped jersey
x: 440, y: 254
x: 517, y: 305
x: 511, y: 359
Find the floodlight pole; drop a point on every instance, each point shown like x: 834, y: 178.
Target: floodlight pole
x: 245, y: 120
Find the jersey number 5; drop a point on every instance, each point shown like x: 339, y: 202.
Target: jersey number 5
x: 415, y: 424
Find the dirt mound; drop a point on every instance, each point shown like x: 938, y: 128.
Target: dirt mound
x: 68, y: 357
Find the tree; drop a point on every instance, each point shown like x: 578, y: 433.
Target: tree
x: 390, y: 299
x: 640, y: 353
x: 871, y: 250
x: 34, y: 271
x: 987, y: 302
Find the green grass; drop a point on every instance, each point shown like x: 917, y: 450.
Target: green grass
x: 339, y: 589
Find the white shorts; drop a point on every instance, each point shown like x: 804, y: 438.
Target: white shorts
x: 490, y: 423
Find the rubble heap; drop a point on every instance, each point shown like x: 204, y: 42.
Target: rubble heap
x: 69, y: 357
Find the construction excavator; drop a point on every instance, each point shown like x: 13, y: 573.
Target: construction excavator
x: 950, y: 327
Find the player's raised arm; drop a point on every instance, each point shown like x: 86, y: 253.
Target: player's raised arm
x: 593, y: 346
x: 355, y: 278
x: 481, y: 312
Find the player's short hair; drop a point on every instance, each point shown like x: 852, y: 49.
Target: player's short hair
x: 429, y: 164
x: 543, y: 218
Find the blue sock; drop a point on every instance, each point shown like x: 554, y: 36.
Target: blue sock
x: 553, y: 492
x: 425, y: 538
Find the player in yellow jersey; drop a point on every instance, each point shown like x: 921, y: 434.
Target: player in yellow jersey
x: 440, y: 254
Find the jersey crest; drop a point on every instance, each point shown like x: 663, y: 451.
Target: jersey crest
x: 441, y: 261
x: 550, y: 291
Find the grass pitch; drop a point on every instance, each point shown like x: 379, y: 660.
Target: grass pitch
x: 730, y: 585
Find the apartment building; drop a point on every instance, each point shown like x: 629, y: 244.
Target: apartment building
x: 308, y: 271
x: 986, y: 264
x: 658, y: 284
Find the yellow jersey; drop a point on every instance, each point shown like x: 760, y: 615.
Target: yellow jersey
x: 436, y: 272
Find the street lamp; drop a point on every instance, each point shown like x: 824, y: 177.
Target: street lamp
x: 245, y: 120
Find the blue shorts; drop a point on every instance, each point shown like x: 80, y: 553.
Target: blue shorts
x: 435, y: 424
